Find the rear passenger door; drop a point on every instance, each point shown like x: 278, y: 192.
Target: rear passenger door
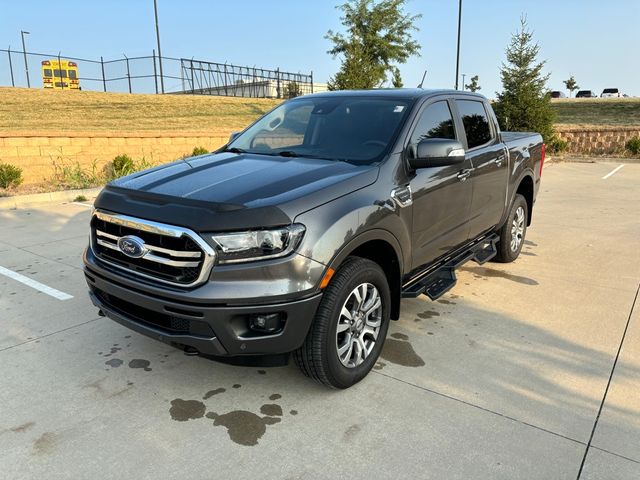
x: 441, y: 195
x: 489, y: 160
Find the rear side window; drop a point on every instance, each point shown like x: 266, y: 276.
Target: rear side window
x: 475, y: 121
x: 47, y: 72
x: 435, y: 121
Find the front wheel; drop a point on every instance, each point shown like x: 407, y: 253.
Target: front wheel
x: 350, y: 326
x: 513, y: 231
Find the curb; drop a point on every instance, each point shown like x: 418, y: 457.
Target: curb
x: 64, y: 196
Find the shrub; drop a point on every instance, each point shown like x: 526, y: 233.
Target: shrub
x: 122, y: 165
x: 633, y: 145
x: 80, y: 198
x: 199, y: 151
x: 10, y: 175
x: 557, y: 145
x: 71, y: 176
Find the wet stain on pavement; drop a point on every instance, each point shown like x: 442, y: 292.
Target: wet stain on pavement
x: 427, y: 314
x: 243, y: 427
x: 490, y: 272
x: 183, y: 410
x: 379, y: 365
x: 211, y: 393
x: 262, y: 372
x: 401, y: 352
x: 271, y: 410
x: 400, y: 336
x: 351, y: 432
x: 445, y: 302
x: 22, y: 428
x: 236, y: 385
x: 140, y: 363
x: 114, y: 362
x: 45, y: 443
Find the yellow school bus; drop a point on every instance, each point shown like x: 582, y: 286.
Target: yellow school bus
x: 60, y: 75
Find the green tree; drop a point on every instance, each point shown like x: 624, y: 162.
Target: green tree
x: 571, y: 85
x: 397, y: 78
x: 293, y: 90
x: 474, y: 86
x: 524, y: 103
x: 377, y: 37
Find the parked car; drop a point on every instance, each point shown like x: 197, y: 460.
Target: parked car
x: 558, y: 94
x: 586, y: 94
x: 610, y: 92
x: 304, y: 233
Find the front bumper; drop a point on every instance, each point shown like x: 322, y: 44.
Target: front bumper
x: 187, y: 320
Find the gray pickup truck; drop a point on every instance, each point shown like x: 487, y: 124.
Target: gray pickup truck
x: 303, y: 234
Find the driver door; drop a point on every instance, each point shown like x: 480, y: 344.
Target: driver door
x: 441, y: 195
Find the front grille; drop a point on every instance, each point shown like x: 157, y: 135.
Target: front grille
x: 171, y: 254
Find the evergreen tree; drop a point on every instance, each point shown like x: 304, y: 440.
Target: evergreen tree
x: 474, y: 86
x: 378, y: 36
x: 397, y: 78
x: 524, y: 103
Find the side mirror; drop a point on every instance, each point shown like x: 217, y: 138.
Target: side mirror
x: 233, y: 136
x: 437, y: 152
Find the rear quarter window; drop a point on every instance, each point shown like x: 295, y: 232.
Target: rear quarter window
x: 475, y: 121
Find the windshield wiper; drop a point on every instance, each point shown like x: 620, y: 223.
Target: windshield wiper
x: 234, y: 150
x: 289, y: 153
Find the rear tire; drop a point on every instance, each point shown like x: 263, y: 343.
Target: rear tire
x: 350, y: 326
x: 513, y: 232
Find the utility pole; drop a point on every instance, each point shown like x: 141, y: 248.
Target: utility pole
x: 155, y: 9
x: 458, y: 51
x: 24, y: 52
x: 463, y: 77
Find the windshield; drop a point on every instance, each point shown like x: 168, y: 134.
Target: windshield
x: 353, y: 129
x: 610, y: 90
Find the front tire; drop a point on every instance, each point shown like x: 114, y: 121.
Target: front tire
x: 350, y: 326
x: 513, y: 232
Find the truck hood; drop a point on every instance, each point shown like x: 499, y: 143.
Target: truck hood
x: 228, y: 191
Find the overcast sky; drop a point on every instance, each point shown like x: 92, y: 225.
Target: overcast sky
x: 598, y: 42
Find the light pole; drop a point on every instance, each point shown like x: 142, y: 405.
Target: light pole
x: 463, y: 77
x: 155, y: 9
x: 24, y: 52
x: 458, y: 51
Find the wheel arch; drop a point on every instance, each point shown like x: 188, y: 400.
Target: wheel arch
x: 383, y: 248
x: 526, y: 189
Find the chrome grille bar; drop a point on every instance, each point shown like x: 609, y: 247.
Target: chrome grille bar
x: 202, y: 259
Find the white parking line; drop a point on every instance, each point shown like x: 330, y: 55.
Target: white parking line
x: 613, y: 171
x: 34, y: 284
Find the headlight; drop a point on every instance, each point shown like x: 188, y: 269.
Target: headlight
x: 258, y: 244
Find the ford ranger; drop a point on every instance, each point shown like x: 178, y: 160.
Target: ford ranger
x: 302, y: 235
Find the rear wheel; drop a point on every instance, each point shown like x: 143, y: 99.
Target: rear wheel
x: 513, y: 231
x: 350, y: 326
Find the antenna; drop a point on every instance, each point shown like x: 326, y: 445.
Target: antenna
x: 423, y: 77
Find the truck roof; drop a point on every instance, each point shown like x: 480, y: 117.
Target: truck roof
x: 394, y: 93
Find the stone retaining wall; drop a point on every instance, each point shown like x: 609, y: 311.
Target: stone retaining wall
x: 597, y: 141
x: 37, y: 154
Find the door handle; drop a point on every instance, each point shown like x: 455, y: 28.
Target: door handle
x: 463, y: 175
x: 499, y: 160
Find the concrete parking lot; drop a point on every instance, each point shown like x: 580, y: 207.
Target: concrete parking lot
x: 527, y: 370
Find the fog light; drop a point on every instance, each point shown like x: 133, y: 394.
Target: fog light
x: 266, y: 322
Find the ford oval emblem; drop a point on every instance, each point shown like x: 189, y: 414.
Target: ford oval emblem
x: 132, y: 246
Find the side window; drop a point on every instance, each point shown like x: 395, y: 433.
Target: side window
x: 435, y: 121
x: 475, y: 121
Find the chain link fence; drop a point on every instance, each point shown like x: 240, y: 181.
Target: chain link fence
x: 142, y: 74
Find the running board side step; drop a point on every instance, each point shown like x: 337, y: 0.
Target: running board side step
x: 442, y: 278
